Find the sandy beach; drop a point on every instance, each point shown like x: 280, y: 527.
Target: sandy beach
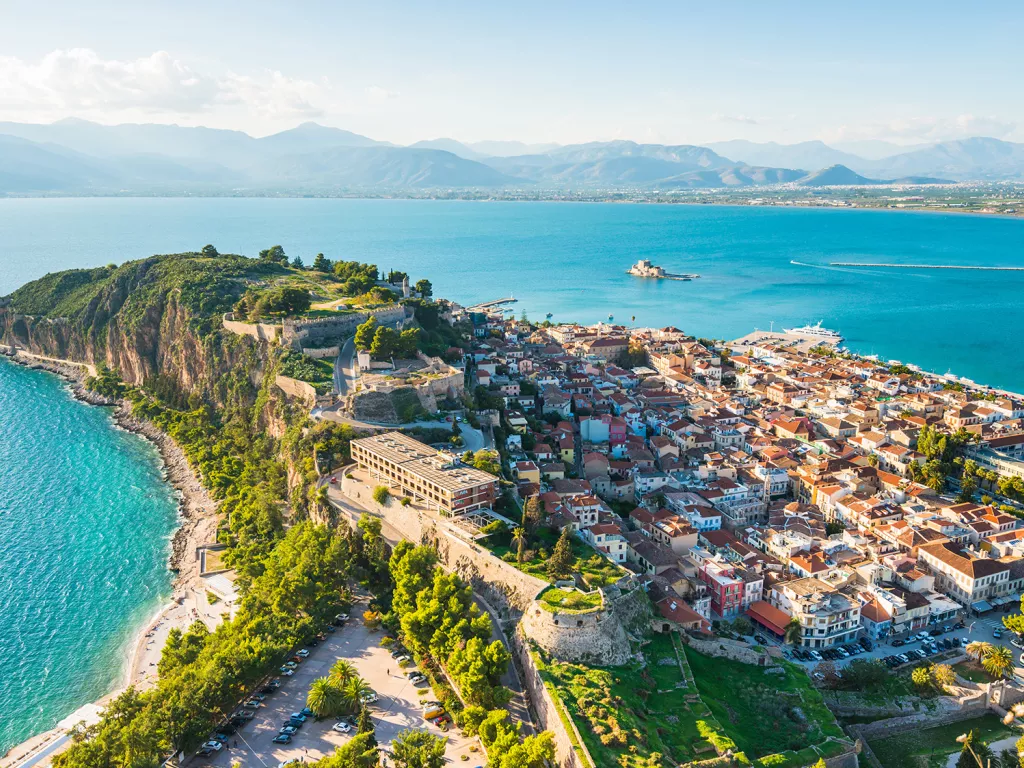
x: 198, y: 526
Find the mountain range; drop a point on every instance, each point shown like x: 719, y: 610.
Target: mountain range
x: 75, y: 156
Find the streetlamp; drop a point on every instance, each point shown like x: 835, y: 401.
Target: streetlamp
x: 965, y: 739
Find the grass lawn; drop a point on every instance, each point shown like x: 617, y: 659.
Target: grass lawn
x: 627, y: 714
x: 764, y: 713
x: 570, y: 601
x: 597, y: 570
x: 931, y: 746
x: 973, y: 671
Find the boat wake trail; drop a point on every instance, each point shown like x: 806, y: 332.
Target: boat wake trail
x: 829, y: 268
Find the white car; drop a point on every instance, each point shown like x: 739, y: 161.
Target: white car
x: 216, y: 746
x: 286, y: 672
x: 341, y: 727
x: 368, y: 698
x: 815, y: 655
x: 302, y: 652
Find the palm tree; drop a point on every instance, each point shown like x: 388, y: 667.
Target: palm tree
x: 353, y: 692
x: 793, y: 632
x: 341, y: 672
x: 978, y: 649
x: 998, y: 661
x: 324, y: 697
x: 519, y: 537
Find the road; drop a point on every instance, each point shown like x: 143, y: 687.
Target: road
x: 345, y: 370
x: 397, y: 707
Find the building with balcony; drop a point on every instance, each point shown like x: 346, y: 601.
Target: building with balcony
x: 827, y: 616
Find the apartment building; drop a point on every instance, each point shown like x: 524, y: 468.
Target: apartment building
x: 971, y: 581
x: 424, y: 474
x: 827, y: 616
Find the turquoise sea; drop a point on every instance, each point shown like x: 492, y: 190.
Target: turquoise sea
x: 85, y: 521
x: 570, y: 259
x: 85, y: 517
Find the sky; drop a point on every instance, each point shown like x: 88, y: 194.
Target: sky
x: 563, y: 72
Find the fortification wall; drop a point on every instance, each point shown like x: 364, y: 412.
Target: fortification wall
x: 570, y: 751
x: 300, y: 390
x: 258, y: 331
x: 507, y: 589
x: 297, y: 333
x: 592, y: 638
x: 318, y: 353
x: 729, y: 649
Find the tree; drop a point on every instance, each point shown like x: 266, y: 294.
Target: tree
x: 322, y: 264
x: 968, y: 487
x: 562, y: 559
x: 365, y: 332
x: 365, y: 725
x: 385, y: 343
x: 943, y: 675
x: 793, y: 632
x: 424, y: 288
x: 921, y: 676
x: 275, y: 254
x: 975, y: 754
x: 209, y: 252
x: 418, y: 749
x: 341, y: 672
x: 998, y: 661
x: 324, y: 697
x: 477, y: 669
x: 519, y: 537
x: 412, y: 571
x: 978, y: 649
x: 408, y: 342
x: 352, y: 693
x: 381, y: 494
x: 297, y: 263
x: 533, y: 513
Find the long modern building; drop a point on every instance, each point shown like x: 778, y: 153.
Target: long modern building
x: 424, y: 474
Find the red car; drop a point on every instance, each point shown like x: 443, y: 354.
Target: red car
x: 334, y: 481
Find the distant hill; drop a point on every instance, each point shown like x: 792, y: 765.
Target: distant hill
x: 806, y: 154
x: 835, y: 176
x: 449, y: 145
x: 80, y: 157
x: 841, y: 176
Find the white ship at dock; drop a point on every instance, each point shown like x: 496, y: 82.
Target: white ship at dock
x: 815, y: 330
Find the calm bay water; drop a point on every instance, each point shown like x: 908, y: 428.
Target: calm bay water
x: 85, y: 522
x: 570, y: 260
x: 85, y: 517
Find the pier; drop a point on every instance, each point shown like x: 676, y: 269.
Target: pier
x: 488, y: 305
x: 923, y: 266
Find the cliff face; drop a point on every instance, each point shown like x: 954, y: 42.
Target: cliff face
x: 154, y: 319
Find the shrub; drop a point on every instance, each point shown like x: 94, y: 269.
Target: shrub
x: 381, y: 494
x: 405, y: 501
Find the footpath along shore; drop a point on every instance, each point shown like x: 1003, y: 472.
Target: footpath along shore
x: 197, y: 526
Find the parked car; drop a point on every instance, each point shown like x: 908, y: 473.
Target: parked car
x: 291, y: 730
x: 417, y: 678
x: 897, y: 643
x: 815, y: 655
x: 286, y: 671
x: 761, y: 639
x: 997, y: 633
x: 299, y: 716
x: 341, y: 727
x: 368, y: 698
x: 213, y: 745
x: 282, y: 738
x: 302, y: 652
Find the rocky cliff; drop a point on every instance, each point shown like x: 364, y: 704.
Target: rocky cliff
x: 158, y: 318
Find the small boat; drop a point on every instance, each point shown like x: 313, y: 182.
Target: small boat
x: 610, y: 318
x: 549, y: 315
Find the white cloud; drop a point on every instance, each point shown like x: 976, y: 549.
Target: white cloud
x: 79, y: 82
x: 720, y: 117
x: 377, y: 94
x: 925, y: 129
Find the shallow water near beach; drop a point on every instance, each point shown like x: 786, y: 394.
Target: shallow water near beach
x: 85, y: 521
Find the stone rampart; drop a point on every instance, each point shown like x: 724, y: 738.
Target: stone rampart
x: 318, y: 353
x: 300, y: 390
x: 258, y: 331
x: 297, y: 333
x: 729, y: 649
x: 570, y: 751
x: 595, y: 637
x: 507, y: 589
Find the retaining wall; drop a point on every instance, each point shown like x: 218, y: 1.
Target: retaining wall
x: 300, y: 390
x: 729, y: 649
x: 320, y: 352
x: 258, y: 331
x: 570, y: 751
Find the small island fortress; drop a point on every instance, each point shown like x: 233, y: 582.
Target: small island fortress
x: 644, y: 268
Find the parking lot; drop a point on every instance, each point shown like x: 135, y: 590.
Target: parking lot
x: 397, y: 707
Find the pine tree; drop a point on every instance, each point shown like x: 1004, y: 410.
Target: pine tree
x: 365, y: 725
x: 561, y: 561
